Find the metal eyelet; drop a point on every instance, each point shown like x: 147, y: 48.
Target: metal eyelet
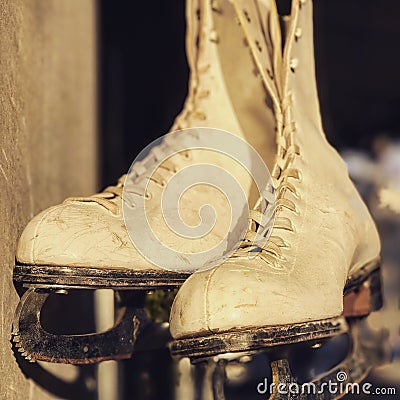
x: 199, y: 115
x: 148, y: 196
x: 216, y: 6
x: 298, y: 33
x: 214, y: 38
x: 203, y: 94
x: 294, y: 63
x: 203, y: 68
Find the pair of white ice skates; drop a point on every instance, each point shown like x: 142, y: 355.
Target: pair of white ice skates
x: 252, y: 74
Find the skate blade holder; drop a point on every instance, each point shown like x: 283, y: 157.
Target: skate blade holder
x: 119, y: 342
x: 36, y: 344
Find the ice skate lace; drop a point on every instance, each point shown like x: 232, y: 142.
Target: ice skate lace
x: 262, y: 222
x: 142, y: 172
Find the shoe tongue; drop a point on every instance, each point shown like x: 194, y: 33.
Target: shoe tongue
x: 262, y: 16
x: 273, y: 36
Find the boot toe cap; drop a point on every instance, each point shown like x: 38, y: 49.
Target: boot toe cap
x: 31, y: 235
x: 239, y: 296
x: 78, y: 234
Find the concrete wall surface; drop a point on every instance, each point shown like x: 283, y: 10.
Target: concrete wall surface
x: 47, y: 135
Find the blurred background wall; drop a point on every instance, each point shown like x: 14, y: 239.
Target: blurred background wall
x: 48, y: 144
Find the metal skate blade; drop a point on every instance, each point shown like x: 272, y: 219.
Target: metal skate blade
x: 35, y: 343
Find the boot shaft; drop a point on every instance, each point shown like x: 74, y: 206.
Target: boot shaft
x: 299, y: 80
x: 225, y: 88
x: 311, y: 180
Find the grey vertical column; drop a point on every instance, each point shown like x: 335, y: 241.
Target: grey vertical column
x: 47, y: 135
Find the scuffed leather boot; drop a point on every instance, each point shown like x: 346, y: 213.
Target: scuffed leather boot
x: 323, y: 250
x: 83, y: 242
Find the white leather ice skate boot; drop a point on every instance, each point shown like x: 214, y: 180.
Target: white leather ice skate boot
x: 321, y: 260
x: 83, y: 242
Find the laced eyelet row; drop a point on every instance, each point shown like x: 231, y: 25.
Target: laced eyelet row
x: 255, y: 241
x: 202, y: 93
x: 298, y: 33
x: 271, y: 251
x: 283, y: 171
x: 105, y: 198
